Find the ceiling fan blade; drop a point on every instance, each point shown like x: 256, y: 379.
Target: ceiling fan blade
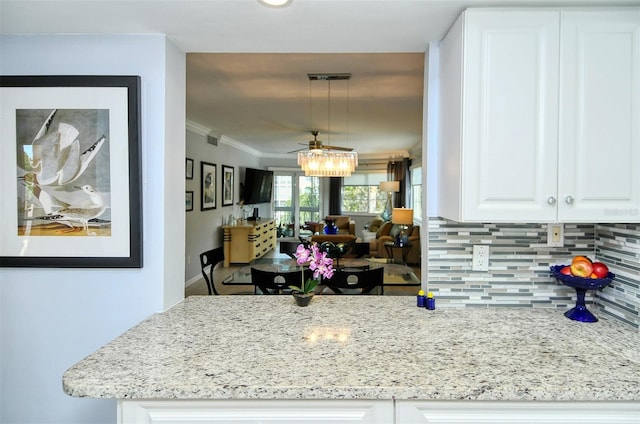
x: 344, y: 149
x: 298, y: 150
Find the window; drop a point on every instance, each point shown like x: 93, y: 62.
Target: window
x: 416, y: 193
x: 360, y: 193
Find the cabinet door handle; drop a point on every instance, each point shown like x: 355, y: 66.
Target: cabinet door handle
x: 569, y: 200
x: 551, y: 200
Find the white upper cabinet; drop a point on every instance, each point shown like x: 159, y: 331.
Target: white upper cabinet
x: 599, y: 149
x: 539, y: 116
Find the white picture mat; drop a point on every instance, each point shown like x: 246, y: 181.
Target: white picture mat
x: 114, y: 99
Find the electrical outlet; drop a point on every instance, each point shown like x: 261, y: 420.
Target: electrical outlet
x: 480, y: 258
x: 555, y: 235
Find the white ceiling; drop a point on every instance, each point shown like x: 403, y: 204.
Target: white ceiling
x: 247, y: 64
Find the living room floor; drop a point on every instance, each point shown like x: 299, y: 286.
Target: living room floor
x: 220, y: 273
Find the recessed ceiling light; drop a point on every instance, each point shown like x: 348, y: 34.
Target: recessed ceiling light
x: 275, y: 3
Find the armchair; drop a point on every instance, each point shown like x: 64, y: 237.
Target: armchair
x: 387, y: 233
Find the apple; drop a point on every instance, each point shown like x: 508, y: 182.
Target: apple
x: 600, y: 269
x: 581, y: 268
x: 566, y: 270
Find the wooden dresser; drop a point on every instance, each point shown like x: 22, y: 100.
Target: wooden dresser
x: 252, y: 240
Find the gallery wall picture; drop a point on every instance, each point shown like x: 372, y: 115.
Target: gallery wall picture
x: 207, y: 186
x: 189, y: 169
x: 188, y: 201
x: 227, y: 185
x: 70, y: 171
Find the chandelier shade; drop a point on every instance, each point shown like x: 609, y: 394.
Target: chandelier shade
x: 326, y: 163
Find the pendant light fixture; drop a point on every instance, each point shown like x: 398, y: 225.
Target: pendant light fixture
x: 324, y: 160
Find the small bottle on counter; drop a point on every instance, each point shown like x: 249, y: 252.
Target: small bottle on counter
x: 421, y: 299
x: 430, y: 301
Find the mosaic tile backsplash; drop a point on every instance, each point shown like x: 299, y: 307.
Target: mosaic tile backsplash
x: 519, y: 261
x: 618, y: 245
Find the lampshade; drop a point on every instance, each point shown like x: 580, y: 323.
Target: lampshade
x: 326, y: 163
x: 389, y: 186
x: 402, y: 216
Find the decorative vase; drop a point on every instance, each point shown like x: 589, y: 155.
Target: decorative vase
x: 302, y: 299
x: 330, y: 227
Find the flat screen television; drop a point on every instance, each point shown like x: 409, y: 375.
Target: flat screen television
x: 258, y: 185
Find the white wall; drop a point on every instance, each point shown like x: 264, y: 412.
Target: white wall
x: 52, y: 318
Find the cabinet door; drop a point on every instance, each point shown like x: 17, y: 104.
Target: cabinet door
x: 255, y: 411
x: 510, y: 115
x: 599, y: 172
x: 475, y: 412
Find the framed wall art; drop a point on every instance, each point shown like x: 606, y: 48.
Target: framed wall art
x: 188, y: 201
x: 227, y: 185
x: 189, y: 169
x: 207, y: 186
x: 70, y: 171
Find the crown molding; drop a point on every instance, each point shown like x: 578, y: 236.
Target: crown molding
x: 197, y: 128
x: 223, y: 139
x: 240, y: 146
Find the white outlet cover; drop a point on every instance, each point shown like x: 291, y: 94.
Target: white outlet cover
x: 480, y: 258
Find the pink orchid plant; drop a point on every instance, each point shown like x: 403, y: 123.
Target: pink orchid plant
x: 319, y: 263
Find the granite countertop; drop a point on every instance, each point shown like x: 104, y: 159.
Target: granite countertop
x: 361, y: 347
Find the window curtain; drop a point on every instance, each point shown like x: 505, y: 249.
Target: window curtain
x: 400, y: 170
x: 335, y: 195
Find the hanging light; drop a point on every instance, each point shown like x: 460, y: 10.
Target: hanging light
x: 326, y: 163
x: 322, y: 161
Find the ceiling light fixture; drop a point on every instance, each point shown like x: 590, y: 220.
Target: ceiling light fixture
x: 275, y: 3
x: 319, y: 160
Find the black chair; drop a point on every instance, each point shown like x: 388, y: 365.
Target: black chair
x: 289, y: 248
x: 365, y: 281
x: 210, y: 259
x: 273, y: 282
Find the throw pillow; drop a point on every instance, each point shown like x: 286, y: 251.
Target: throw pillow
x: 375, y: 224
x: 395, y: 230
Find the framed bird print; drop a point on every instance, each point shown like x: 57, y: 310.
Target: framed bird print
x: 207, y: 186
x: 70, y: 171
x: 227, y: 185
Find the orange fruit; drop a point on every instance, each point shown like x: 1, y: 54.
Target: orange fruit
x: 580, y: 258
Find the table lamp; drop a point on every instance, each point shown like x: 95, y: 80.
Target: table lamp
x: 404, y: 218
x: 389, y: 187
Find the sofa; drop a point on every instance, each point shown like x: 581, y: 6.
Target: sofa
x: 386, y: 232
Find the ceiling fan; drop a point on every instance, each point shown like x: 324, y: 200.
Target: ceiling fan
x: 316, y: 144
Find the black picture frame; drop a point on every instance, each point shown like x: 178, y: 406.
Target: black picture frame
x: 189, y: 169
x: 188, y: 201
x: 95, y: 170
x: 207, y: 186
x: 227, y: 185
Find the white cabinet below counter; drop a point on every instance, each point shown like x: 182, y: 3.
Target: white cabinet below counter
x: 540, y: 116
x: 419, y: 412
x: 255, y: 411
x: 373, y: 412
